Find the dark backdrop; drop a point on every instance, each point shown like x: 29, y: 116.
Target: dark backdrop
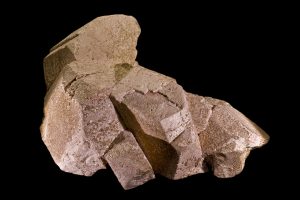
x: 227, y: 51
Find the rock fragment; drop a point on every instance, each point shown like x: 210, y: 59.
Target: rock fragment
x: 103, y: 108
x: 228, y: 139
x: 128, y: 161
x: 107, y: 40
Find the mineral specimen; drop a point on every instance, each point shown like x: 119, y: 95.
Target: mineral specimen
x: 102, y: 108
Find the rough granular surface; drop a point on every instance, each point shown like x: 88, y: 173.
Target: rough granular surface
x: 103, y: 109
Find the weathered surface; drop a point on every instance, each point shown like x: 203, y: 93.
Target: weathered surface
x: 228, y: 138
x: 107, y: 41
x: 161, y: 123
x: 80, y: 120
x: 128, y: 161
x: 102, y: 108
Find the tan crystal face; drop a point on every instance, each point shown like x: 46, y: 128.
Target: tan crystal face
x: 103, y: 109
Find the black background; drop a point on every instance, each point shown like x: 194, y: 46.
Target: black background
x: 227, y: 51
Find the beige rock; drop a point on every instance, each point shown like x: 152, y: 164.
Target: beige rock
x: 107, y: 40
x: 102, y: 108
x: 128, y: 161
x: 80, y: 121
x: 79, y: 125
x: 228, y: 136
x: 161, y: 124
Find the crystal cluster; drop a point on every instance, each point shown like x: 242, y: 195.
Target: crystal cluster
x: 103, y: 109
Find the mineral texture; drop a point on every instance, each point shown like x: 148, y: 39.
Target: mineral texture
x: 103, y: 109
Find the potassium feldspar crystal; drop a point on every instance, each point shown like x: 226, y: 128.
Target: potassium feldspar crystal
x: 102, y: 108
